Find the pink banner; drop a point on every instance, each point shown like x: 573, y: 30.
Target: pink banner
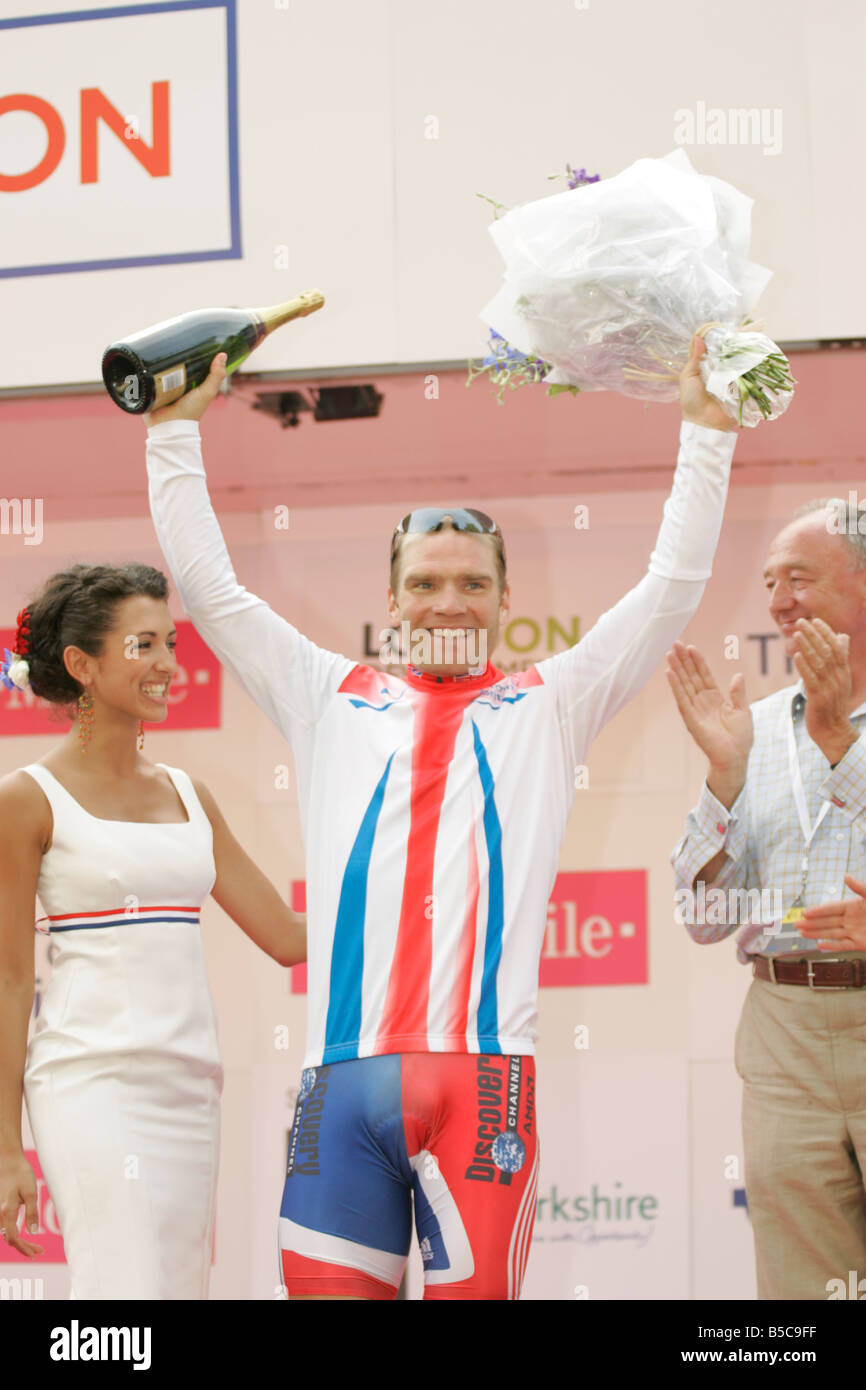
x: 596, y: 929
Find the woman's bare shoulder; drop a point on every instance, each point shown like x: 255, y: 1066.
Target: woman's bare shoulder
x: 24, y: 805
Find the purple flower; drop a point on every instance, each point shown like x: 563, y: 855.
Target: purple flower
x: 4, y: 669
x: 578, y: 177
x: 503, y: 354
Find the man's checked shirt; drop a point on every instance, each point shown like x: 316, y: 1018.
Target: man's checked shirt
x: 763, y: 839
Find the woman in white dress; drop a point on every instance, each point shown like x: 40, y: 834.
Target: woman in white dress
x: 122, y: 1077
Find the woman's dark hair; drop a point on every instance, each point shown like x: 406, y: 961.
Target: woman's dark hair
x: 77, y: 608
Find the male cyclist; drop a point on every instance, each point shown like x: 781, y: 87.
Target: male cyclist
x: 432, y: 808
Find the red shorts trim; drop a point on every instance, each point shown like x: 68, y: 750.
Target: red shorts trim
x: 318, y: 1277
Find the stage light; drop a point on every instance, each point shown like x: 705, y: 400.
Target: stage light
x: 346, y: 402
x: 285, y: 406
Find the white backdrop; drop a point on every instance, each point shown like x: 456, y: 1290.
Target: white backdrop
x: 363, y: 133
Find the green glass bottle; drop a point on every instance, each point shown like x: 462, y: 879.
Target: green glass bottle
x: 152, y: 368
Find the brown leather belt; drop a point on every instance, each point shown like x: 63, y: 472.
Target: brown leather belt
x: 832, y: 973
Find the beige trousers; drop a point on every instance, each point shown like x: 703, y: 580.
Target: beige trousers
x: 802, y: 1057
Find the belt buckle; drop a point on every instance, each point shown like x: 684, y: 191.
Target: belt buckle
x: 837, y: 960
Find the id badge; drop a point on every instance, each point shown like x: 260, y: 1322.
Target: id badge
x: 794, y: 913
x: 784, y: 937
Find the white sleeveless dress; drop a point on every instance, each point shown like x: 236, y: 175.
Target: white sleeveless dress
x: 123, y: 1077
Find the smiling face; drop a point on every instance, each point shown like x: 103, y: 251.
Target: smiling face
x: 810, y: 573
x: 448, y: 581
x: 138, y: 661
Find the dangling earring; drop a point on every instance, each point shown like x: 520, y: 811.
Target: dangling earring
x: 140, y: 734
x: 85, y: 719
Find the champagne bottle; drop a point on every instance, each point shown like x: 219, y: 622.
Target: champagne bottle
x: 160, y: 364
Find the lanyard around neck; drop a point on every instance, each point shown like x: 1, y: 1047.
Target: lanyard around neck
x: 797, y: 787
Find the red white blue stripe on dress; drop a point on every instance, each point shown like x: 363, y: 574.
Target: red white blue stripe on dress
x: 118, y: 917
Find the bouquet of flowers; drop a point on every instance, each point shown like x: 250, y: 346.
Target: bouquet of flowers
x: 606, y: 283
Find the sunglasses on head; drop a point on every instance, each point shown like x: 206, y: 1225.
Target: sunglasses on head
x: 428, y: 519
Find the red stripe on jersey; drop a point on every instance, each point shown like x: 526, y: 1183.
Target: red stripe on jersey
x: 438, y: 707
x: 436, y: 724
x: 364, y: 680
x: 458, y: 1011
x: 528, y: 677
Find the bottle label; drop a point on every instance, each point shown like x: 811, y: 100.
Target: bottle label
x: 170, y: 386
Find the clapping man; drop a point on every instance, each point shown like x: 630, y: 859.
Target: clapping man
x: 784, y: 809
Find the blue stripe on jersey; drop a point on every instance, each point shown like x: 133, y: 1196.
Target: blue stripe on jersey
x: 347, y: 957
x: 488, y: 1017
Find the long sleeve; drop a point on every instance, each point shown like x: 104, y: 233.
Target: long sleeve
x: 845, y: 786
x: 288, y: 676
x: 711, y: 827
x: 598, y: 675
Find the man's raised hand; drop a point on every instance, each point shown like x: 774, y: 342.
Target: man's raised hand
x: 698, y: 406
x: 193, y: 405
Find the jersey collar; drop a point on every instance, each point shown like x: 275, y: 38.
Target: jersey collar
x: 440, y: 685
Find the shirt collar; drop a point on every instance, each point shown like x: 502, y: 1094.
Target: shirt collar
x: 798, y: 701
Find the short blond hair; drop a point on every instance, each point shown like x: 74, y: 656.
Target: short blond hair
x: 498, y: 549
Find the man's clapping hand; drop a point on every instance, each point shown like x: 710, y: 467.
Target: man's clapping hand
x: 720, y: 725
x: 838, y: 926
x: 821, y: 659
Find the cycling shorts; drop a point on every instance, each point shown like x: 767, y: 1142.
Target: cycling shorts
x: 455, y: 1131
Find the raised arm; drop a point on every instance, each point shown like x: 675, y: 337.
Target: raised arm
x: 287, y: 675
x: 597, y: 676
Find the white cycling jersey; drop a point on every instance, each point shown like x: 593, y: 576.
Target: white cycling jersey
x: 432, y: 809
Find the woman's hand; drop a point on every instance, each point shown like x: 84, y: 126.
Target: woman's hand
x: 17, y: 1189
